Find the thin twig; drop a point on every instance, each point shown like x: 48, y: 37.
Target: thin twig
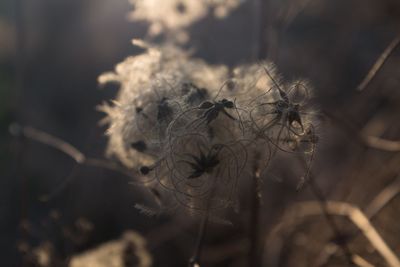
x: 316, y: 190
x: 257, y: 26
x: 19, y: 85
x: 383, y: 198
x: 253, y: 256
x: 294, y: 216
x: 20, y: 41
x: 331, y: 222
x: 345, y: 125
x: 366, y: 140
x: 361, y: 262
x: 379, y: 63
x: 52, y: 141
x: 376, y: 205
x: 194, y: 260
x: 294, y: 10
x: 357, y: 259
x: 260, y: 25
x: 68, y: 149
x: 359, y: 219
x: 382, y: 144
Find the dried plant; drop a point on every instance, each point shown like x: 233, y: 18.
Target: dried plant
x: 192, y: 131
x: 202, y: 138
x: 172, y: 17
x: 130, y: 250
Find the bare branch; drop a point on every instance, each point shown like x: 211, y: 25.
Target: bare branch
x: 383, y: 198
x: 54, y: 142
x: 382, y: 144
x: 359, y: 219
x: 379, y: 63
x: 68, y: 149
x: 361, y: 262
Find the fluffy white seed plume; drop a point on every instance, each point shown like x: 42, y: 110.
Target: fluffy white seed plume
x: 192, y: 131
x: 174, y: 16
x: 151, y: 84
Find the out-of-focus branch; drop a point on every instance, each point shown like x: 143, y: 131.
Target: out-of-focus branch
x: 316, y: 190
x: 379, y: 63
x: 328, y: 216
x: 194, y: 260
x: 47, y: 139
x: 19, y: 53
x: 383, y: 198
x: 261, y: 24
x: 294, y: 9
x: 382, y: 144
x: 376, y: 205
x: 254, y: 231
x: 361, y: 262
x: 366, y: 140
x: 359, y: 219
x: 68, y: 149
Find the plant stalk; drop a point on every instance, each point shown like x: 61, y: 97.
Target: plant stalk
x: 194, y: 260
x: 254, y: 231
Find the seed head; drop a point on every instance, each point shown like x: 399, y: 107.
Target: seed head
x: 193, y: 131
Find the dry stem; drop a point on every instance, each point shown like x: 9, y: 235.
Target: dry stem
x: 379, y: 63
x: 357, y: 217
x: 68, y: 149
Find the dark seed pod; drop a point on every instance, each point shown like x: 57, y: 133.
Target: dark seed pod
x: 144, y: 170
x: 227, y: 103
x: 164, y: 110
x: 197, y: 96
x: 193, y: 94
x: 139, y: 146
x: 230, y: 85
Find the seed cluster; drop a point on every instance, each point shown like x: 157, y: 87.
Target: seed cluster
x: 192, y: 130
x: 173, y: 17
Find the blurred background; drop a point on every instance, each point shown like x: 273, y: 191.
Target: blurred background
x: 51, y: 53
